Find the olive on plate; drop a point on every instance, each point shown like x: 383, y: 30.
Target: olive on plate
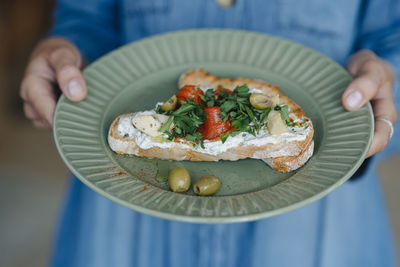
x: 179, y: 179
x: 206, y: 185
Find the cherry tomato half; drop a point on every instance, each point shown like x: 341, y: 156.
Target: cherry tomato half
x: 218, y: 91
x: 189, y: 91
x: 214, y: 126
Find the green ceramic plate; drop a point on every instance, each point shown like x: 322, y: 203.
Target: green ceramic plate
x: 137, y: 76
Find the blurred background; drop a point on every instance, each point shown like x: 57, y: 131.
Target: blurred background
x: 33, y: 178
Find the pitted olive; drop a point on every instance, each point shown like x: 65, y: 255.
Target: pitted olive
x: 262, y: 101
x: 170, y: 104
x: 179, y: 179
x: 206, y: 185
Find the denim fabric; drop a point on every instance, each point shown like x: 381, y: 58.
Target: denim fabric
x: 349, y: 227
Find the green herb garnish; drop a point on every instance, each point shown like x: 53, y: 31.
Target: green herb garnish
x: 195, y: 137
x: 234, y: 107
x: 224, y: 136
x: 186, y: 119
x: 284, y: 110
x: 167, y: 125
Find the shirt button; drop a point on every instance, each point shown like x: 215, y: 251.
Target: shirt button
x: 225, y: 3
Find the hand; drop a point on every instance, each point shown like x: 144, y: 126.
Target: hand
x: 54, y: 61
x: 373, y: 81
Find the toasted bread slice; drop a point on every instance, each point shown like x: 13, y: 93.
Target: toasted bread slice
x: 291, y: 163
x: 125, y: 145
x: 283, y: 155
x: 206, y: 80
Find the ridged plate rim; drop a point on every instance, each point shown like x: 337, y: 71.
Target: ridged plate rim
x: 255, y: 212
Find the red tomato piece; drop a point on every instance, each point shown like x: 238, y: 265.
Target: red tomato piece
x: 189, y: 91
x: 216, y: 92
x: 214, y: 126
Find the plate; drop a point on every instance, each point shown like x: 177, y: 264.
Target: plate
x: 137, y: 76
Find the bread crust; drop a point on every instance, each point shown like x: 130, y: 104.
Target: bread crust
x: 123, y: 145
x: 207, y: 80
x: 283, y: 156
x: 291, y: 163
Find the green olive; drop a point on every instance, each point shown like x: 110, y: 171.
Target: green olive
x: 179, y: 179
x: 262, y: 101
x: 170, y: 104
x: 206, y: 185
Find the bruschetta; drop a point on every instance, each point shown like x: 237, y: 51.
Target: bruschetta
x: 212, y: 119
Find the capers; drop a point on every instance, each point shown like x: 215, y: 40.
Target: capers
x: 179, y: 179
x: 206, y: 185
x: 262, y: 101
x: 170, y: 104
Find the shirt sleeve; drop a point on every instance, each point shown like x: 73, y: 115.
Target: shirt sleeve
x: 90, y: 24
x: 379, y: 31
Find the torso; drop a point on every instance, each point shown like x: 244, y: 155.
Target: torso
x: 321, y: 24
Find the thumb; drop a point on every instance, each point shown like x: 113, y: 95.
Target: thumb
x: 368, y: 77
x: 66, y: 62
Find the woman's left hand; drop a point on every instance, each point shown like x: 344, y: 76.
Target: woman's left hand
x: 373, y: 81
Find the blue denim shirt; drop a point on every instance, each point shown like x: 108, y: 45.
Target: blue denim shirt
x: 335, y: 28
x: 346, y: 228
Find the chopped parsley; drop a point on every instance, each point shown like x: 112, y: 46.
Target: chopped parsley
x: 284, y: 110
x: 234, y: 106
x: 186, y: 119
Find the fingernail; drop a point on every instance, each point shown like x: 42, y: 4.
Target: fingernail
x: 354, y: 99
x: 75, y: 89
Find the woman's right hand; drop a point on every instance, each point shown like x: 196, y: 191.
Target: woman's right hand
x: 55, y: 61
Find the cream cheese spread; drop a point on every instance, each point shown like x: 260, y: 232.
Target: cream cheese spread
x: 126, y: 129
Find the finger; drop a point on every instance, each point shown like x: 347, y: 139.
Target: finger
x: 42, y: 124
x: 66, y: 63
x: 381, y: 138
x: 38, y: 92
x: 30, y: 112
x: 357, y: 60
x: 364, y: 87
x: 386, y: 109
